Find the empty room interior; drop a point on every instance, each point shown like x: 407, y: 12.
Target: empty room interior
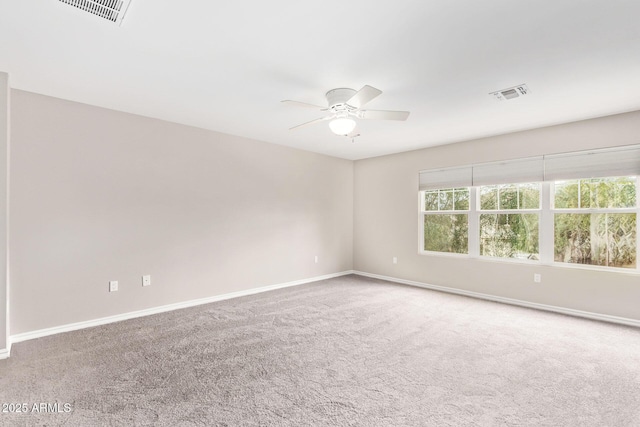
x: 410, y: 213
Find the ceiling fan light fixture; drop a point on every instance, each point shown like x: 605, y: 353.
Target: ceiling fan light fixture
x: 342, y: 125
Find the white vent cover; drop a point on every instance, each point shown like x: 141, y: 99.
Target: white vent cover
x: 511, y: 92
x: 112, y: 10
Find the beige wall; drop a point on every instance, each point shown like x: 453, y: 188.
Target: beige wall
x: 386, y: 225
x: 4, y: 200
x: 99, y: 195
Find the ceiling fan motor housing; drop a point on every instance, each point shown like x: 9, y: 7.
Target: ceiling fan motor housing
x: 337, y: 99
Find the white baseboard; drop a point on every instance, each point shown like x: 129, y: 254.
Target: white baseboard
x: 161, y: 309
x: 555, y: 309
x: 4, y: 353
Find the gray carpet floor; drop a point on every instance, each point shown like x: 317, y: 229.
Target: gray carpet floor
x: 349, y: 351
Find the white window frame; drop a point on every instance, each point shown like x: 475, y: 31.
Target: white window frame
x: 546, y: 231
x: 552, y: 211
x: 424, y: 213
x: 499, y: 211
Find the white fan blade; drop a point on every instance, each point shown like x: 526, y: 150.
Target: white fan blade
x: 383, y: 115
x: 364, y: 95
x: 321, y: 119
x: 303, y: 104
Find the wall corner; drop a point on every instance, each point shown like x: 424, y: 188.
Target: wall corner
x: 5, y: 344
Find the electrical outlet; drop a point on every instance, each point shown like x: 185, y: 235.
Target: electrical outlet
x: 316, y: 259
x: 146, y: 280
x: 395, y: 259
x: 537, y: 278
x: 113, y: 286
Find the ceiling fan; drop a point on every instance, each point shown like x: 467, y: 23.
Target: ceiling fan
x: 345, y: 105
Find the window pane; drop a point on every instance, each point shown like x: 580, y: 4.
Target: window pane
x: 446, y: 233
x: 461, y: 199
x: 616, y: 192
x: 446, y: 200
x: 627, y: 192
x: 566, y: 194
x: 488, y: 197
x: 604, y: 193
x: 508, y: 197
x: 607, y: 239
x: 509, y: 235
x: 594, y: 193
x: 529, y: 196
x: 587, y: 195
x: 431, y: 200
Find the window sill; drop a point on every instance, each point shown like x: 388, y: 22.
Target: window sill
x: 533, y: 262
x: 571, y: 266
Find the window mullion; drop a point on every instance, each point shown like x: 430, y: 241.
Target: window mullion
x: 546, y: 225
x: 474, y: 222
x: 637, y: 222
x: 422, y: 207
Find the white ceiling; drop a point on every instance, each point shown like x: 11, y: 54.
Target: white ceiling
x: 226, y: 66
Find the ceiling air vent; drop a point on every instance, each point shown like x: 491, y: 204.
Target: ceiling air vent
x: 112, y: 10
x: 511, y: 92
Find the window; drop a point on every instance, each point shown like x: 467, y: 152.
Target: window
x: 509, y: 218
x: 578, y: 209
x: 446, y: 220
x: 595, y: 221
